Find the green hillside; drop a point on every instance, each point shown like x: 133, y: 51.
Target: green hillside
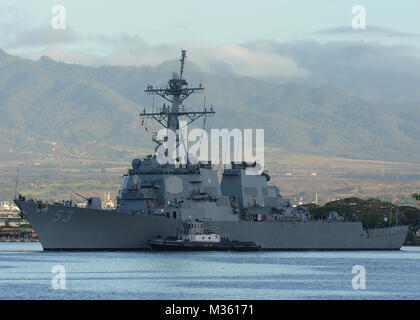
x: 95, y: 110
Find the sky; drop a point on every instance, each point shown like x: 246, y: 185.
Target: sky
x: 254, y: 38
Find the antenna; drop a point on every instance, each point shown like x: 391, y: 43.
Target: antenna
x: 182, y: 60
x: 17, y: 182
x: 390, y: 216
x: 175, y: 92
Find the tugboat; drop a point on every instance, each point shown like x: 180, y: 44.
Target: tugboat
x: 194, y: 236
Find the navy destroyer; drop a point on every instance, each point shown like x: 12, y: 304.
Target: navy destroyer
x: 155, y: 198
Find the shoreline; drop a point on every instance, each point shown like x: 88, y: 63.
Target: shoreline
x: 18, y: 235
x: 3, y: 239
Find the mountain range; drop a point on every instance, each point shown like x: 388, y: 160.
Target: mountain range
x: 46, y: 100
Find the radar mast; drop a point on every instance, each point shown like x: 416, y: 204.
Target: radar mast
x: 175, y: 92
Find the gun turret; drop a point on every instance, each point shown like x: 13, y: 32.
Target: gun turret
x: 89, y: 200
x: 92, y: 202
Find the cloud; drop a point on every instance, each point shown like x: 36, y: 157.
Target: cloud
x: 124, y: 49
x: 261, y: 58
x: 369, y: 70
x: 231, y: 58
x: 12, y: 20
x: 44, y: 35
x: 58, y: 53
x: 249, y: 62
x: 20, y: 29
x: 345, y: 55
x: 132, y: 50
x: 370, y: 30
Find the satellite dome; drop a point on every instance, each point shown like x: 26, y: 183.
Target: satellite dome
x: 136, y: 163
x: 333, y: 215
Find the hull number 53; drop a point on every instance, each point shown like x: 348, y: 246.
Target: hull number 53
x: 63, y: 215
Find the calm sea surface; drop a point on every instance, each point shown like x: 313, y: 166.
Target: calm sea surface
x: 25, y: 273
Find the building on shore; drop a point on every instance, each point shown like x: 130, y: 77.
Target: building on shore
x: 10, y: 215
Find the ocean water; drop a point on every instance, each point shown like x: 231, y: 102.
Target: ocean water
x: 26, y: 273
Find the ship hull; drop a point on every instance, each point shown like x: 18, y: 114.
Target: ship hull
x: 71, y: 228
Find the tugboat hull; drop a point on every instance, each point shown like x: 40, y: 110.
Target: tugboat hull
x: 169, y: 245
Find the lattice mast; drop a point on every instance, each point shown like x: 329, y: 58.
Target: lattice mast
x: 175, y: 92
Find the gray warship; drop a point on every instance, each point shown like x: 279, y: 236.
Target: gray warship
x: 155, y: 198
